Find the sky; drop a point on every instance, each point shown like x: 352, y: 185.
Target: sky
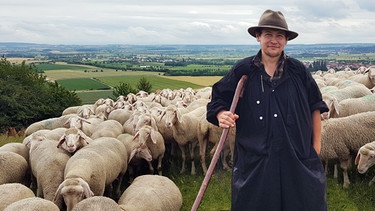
x: 144, y: 22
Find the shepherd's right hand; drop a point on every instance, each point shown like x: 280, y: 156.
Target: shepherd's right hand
x: 226, y: 119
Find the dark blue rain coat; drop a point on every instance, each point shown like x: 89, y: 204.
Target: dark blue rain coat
x: 275, y: 166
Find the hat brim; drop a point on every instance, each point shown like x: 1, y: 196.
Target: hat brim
x: 290, y: 34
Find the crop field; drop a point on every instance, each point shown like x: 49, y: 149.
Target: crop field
x: 90, y: 82
x: 82, y: 84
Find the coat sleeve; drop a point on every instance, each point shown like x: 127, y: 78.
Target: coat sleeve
x: 223, y: 90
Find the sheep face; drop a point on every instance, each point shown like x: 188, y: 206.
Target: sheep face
x: 72, y: 140
x: 365, y: 159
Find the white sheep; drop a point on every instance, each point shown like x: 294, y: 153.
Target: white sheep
x: 47, y: 163
x: 97, y: 203
x: 212, y: 134
x: 86, y: 125
x: 91, y: 169
x: 155, y: 142
x: 185, y: 130
x: 108, y: 128
x: 341, y: 136
x: 12, y: 192
x: 151, y: 192
x: 137, y: 152
x: 16, y: 147
x: 73, y: 139
x: 366, y: 79
x: 334, y: 97
x: 49, y: 124
x: 85, y: 111
x: 32, y: 204
x: 14, y: 168
x: 120, y: 115
x: 70, y: 110
x: 352, y: 106
x: 365, y: 159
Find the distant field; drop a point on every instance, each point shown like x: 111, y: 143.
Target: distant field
x: 82, y: 84
x: 80, y: 78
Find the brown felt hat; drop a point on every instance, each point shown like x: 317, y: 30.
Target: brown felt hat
x: 274, y: 20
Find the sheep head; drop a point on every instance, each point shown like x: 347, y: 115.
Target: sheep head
x: 73, y: 190
x: 72, y: 140
x: 365, y: 157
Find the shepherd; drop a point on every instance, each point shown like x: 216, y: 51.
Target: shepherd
x: 276, y: 164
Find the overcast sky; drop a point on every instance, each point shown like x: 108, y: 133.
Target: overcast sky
x: 180, y: 21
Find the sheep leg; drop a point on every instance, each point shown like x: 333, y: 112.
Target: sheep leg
x: 344, y: 164
x: 202, y: 153
x: 335, y: 171
x: 224, y: 155
x: 160, y: 171
x: 150, y: 167
x: 192, y: 149
x: 183, y: 156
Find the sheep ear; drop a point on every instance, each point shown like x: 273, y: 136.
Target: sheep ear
x: 336, y: 105
x: 153, y: 124
x: 178, y: 114
x: 132, y: 154
x: 67, y: 123
x: 356, y: 161
x: 86, y: 188
x: 61, y: 141
x: 136, y: 135
x: 58, y: 195
x: 154, y: 135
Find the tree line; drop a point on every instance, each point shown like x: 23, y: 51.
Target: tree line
x: 27, y: 97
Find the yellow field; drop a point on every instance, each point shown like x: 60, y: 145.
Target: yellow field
x: 200, y: 80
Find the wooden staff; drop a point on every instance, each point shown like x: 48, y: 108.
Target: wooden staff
x: 237, y: 94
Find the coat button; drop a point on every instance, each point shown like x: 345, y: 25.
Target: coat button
x: 258, y: 102
x: 260, y: 118
x: 275, y: 115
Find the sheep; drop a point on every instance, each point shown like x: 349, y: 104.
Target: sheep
x: 54, y: 134
x: 333, y: 98
x: 97, y: 203
x: 352, y: 106
x: 12, y: 192
x: 151, y: 192
x: 16, y: 147
x: 73, y: 140
x: 185, y: 130
x: 102, y: 111
x: 108, y: 128
x: 366, y: 79
x: 47, y: 164
x: 32, y: 204
x: 86, y: 125
x: 365, y: 159
x: 70, y: 110
x: 136, y: 152
x: 85, y: 111
x: 91, y: 169
x: 120, y: 115
x: 50, y: 124
x: 14, y: 168
x: 212, y: 133
x: 341, y: 136
x: 155, y: 142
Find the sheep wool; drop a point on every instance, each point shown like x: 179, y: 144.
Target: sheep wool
x: 151, y: 192
x: 12, y: 192
x: 32, y: 204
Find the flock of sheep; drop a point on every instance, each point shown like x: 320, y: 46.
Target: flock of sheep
x: 82, y: 159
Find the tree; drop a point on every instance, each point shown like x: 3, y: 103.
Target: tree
x: 122, y: 89
x: 144, y: 84
x: 26, y: 96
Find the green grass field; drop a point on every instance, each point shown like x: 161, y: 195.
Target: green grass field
x: 82, y: 84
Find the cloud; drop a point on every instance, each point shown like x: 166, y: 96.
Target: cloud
x: 179, y: 22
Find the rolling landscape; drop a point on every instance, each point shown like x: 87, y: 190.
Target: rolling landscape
x: 92, y: 71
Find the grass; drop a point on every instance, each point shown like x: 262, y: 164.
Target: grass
x: 82, y: 84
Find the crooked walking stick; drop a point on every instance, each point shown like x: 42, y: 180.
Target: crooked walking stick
x: 237, y: 95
